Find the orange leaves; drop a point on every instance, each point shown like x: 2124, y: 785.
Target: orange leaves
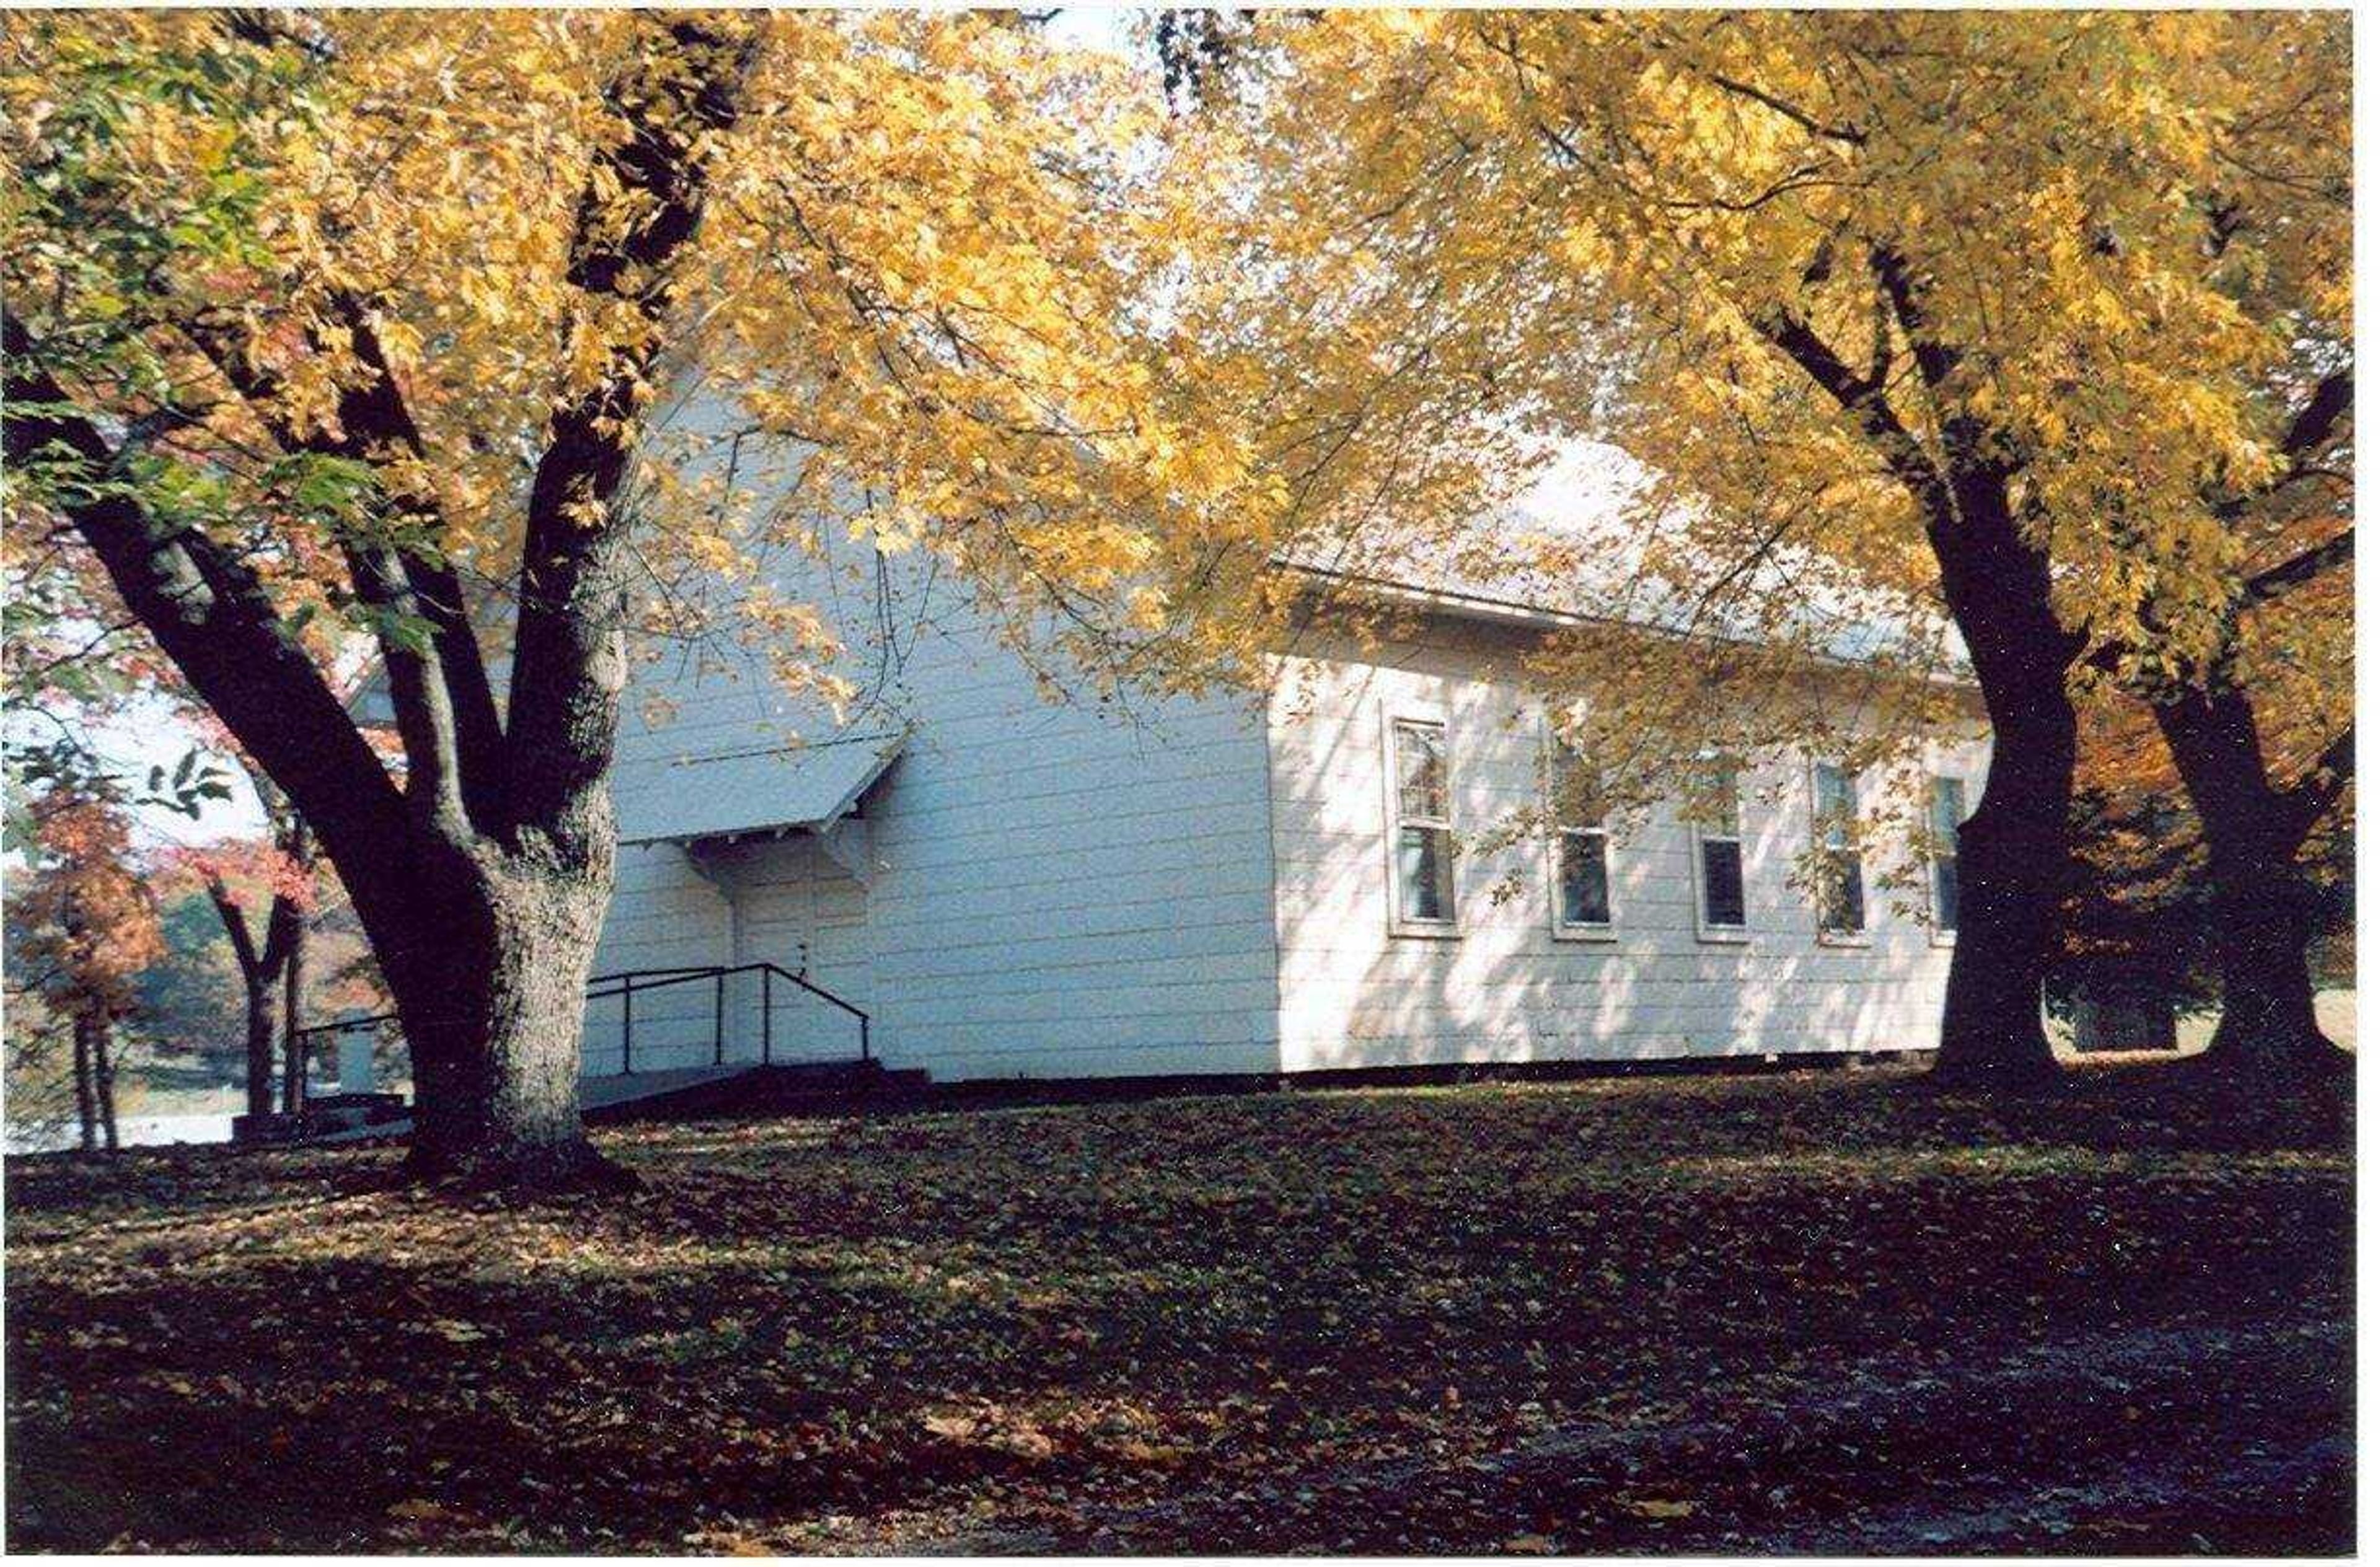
x: 246, y: 868
x: 90, y: 917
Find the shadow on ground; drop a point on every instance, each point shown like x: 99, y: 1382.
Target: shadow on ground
x: 1100, y: 1325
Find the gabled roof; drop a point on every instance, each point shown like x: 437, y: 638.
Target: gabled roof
x: 1567, y: 552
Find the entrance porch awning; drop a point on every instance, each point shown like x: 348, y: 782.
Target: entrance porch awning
x: 739, y: 794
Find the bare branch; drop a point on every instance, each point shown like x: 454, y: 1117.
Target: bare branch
x: 2331, y: 553
x: 1851, y: 135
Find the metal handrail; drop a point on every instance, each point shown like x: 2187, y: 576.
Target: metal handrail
x: 629, y: 983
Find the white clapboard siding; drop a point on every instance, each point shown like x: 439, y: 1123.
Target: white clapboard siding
x: 1355, y: 994
x: 1179, y: 887
x: 1053, y: 890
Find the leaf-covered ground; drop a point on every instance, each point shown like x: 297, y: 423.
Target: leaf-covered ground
x: 1811, y: 1312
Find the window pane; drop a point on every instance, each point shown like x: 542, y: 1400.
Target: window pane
x: 1722, y: 882
x: 1574, y: 801
x: 1425, y: 873
x: 1949, y: 809
x: 1834, y: 804
x: 1585, y: 880
x: 1843, y: 905
x: 1946, y: 893
x: 1421, y: 770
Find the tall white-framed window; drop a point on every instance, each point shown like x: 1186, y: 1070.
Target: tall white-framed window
x: 1842, y: 881
x: 1946, y: 808
x: 1715, y: 816
x: 1421, y: 835
x: 1581, y: 849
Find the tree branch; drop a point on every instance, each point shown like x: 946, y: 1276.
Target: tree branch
x: 446, y: 709
x: 569, y: 651
x: 235, y: 924
x: 2310, y: 797
x: 2331, y: 553
x: 1848, y: 134
x: 205, y: 607
x: 1937, y: 360
x: 1864, y: 398
x: 2331, y: 399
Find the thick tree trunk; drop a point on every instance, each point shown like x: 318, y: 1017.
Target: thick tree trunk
x: 493, y: 1020
x: 2013, y: 850
x: 2012, y: 856
x: 1995, y: 580
x: 480, y: 881
x: 2262, y: 920
x: 2268, y: 1027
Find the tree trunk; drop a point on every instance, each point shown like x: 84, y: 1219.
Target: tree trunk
x: 493, y: 1021
x: 86, y: 1100
x: 103, y: 1079
x: 293, y: 1011
x: 258, y: 967
x: 2260, y: 906
x: 258, y: 992
x: 2011, y: 864
x: 482, y: 881
x: 2013, y: 850
x: 1996, y: 581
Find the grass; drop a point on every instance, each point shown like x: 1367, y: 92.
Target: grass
x: 1053, y: 1324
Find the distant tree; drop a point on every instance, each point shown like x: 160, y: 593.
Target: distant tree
x: 2148, y: 917
x: 186, y: 1004
x: 2259, y: 721
x: 264, y: 891
x: 87, y: 925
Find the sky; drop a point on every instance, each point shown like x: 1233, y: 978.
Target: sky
x: 1093, y: 26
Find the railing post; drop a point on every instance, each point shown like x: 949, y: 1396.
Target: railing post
x: 863, y: 1037
x: 719, y: 1018
x: 767, y: 1020
x: 627, y: 1026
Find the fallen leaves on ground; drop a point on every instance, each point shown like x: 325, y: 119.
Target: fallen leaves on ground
x: 857, y: 1333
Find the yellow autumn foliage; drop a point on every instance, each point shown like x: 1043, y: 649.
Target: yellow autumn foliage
x: 2126, y: 237
x: 918, y: 280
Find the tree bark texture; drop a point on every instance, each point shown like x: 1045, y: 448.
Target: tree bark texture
x: 293, y: 1018
x: 86, y: 1098
x: 1995, y: 582
x: 494, y: 1022
x: 2013, y: 849
x: 2263, y: 908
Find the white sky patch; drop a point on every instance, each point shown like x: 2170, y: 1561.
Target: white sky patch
x: 1104, y: 27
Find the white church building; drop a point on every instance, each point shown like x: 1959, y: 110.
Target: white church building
x: 1008, y: 887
